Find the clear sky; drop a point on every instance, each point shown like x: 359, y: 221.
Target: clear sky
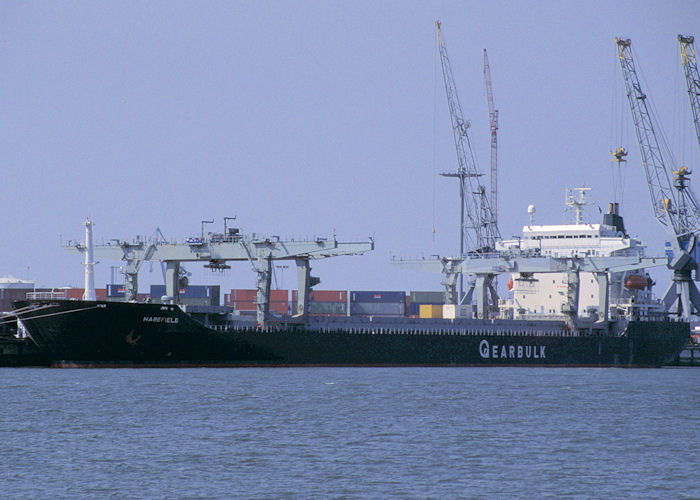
x: 301, y: 118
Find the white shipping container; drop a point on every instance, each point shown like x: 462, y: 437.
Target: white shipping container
x: 452, y: 311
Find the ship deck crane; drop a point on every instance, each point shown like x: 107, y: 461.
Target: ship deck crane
x: 692, y: 78
x: 516, y: 261
x: 216, y: 249
x: 478, y: 230
x: 674, y: 205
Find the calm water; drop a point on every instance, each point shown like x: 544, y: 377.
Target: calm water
x: 372, y: 433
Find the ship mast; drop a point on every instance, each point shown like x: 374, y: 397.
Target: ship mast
x: 578, y: 204
x: 89, y: 293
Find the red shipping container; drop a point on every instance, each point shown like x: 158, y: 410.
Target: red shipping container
x: 278, y: 307
x: 77, y: 293
x: 74, y: 293
x: 279, y: 295
x: 246, y: 300
x: 252, y: 295
x: 325, y: 296
x: 243, y: 295
x: 247, y: 305
x: 329, y: 296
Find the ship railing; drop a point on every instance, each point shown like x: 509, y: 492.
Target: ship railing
x: 46, y: 295
x: 505, y: 332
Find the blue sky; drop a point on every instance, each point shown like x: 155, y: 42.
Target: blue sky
x: 301, y: 118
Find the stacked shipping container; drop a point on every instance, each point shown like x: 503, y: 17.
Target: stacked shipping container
x: 325, y: 302
x: 193, y: 295
x: 427, y: 304
x: 380, y: 303
x: 431, y: 311
x: 246, y: 300
x: 417, y: 299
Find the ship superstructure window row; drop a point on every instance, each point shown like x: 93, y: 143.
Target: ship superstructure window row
x: 560, y: 236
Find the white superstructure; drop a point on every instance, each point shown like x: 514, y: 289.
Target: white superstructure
x: 544, y: 295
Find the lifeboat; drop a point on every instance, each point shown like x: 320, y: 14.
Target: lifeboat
x: 636, y: 282
x: 510, y: 284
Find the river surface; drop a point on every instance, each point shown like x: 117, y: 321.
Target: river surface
x: 350, y: 433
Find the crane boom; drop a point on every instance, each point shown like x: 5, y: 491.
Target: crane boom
x: 674, y: 206
x: 493, y: 126
x: 660, y: 190
x: 692, y: 78
x: 482, y: 231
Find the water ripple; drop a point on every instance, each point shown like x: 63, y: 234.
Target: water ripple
x: 350, y: 433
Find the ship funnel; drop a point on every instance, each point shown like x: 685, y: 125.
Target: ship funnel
x: 89, y: 293
x: 614, y: 208
x: 614, y: 219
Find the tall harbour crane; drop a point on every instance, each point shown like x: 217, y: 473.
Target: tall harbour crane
x: 493, y: 127
x: 478, y: 231
x: 674, y: 204
x: 692, y: 78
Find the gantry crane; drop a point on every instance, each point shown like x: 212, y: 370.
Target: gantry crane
x: 478, y: 232
x: 493, y: 127
x: 215, y: 249
x: 675, y: 206
x: 692, y: 78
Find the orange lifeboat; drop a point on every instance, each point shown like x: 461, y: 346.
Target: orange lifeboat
x: 636, y: 282
x: 510, y: 284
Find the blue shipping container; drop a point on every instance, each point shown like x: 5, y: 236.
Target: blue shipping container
x: 369, y: 297
x: 189, y: 292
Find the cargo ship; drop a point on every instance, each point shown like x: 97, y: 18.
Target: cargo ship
x: 617, y: 323
x: 78, y: 333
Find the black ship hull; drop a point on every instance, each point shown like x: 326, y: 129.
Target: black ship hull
x: 114, y: 334
x: 16, y: 351
x: 20, y: 352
